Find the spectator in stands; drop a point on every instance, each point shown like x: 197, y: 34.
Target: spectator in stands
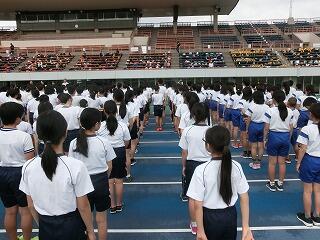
x: 178, y: 46
x: 11, y: 49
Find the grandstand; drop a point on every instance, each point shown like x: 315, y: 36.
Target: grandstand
x: 103, y: 42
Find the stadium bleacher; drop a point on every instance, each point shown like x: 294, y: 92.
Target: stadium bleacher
x: 9, y: 63
x: 255, y: 58
x: 149, y: 61
x: 201, y: 60
x: 303, y: 57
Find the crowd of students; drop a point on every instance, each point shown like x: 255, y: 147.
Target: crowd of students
x: 81, y: 140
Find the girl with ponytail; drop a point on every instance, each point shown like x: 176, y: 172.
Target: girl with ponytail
x: 308, y: 166
x: 57, y: 185
x: 97, y: 154
x: 186, y: 118
x: 215, y: 187
x: 117, y: 133
x: 277, y: 133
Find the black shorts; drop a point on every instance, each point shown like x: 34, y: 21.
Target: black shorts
x: 71, y: 134
x: 10, y: 194
x: 141, y: 114
x: 59, y: 227
x: 119, y: 164
x: 100, y: 198
x: 220, y: 223
x: 158, y: 110
x: 147, y: 108
x: 190, y: 167
x: 134, y: 131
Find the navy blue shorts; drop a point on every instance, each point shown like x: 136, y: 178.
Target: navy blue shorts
x: 221, y: 109
x: 158, y: 110
x: 59, y: 227
x: 99, y: 199
x: 227, y: 115
x: 190, y: 167
x: 235, y: 117
x: 119, y: 164
x: 10, y: 194
x: 278, y: 144
x: 243, y: 125
x: 294, y: 136
x: 310, y: 169
x: 255, y: 132
x: 213, y: 105
x: 220, y: 223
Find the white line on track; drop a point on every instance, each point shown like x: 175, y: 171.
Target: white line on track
x: 158, y: 142
x: 187, y: 230
x: 178, y: 183
x: 175, y: 157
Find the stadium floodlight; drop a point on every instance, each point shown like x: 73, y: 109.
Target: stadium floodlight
x: 291, y: 19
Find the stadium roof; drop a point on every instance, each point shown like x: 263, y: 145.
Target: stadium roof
x: 150, y: 8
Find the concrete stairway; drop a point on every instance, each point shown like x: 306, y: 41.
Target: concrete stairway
x: 228, y: 59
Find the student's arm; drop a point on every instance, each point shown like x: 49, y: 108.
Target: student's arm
x: 29, y: 155
x: 266, y: 131
x: 126, y: 144
x: 33, y: 211
x: 184, y: 155
x: 244, y: 204
x: 301, y: 152
x: 201, y: 235
x: 109, y: 163
x: 248, y: 120
x: 86, y: 215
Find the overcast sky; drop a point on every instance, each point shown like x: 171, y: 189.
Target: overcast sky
x: 252, y: 10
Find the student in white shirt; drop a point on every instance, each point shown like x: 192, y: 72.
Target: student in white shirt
x: 234, y: 104
x: 119, y: 136
x: 221, y: 99
x: 214, y: 104
x: 16, y: 148
x: 255, y: 126
x: 298, y: 93
x: 72, y: 115
x: 193, y: 153
x: 97, y: 154
x: 215, y: 187
x: 244, y: 105
x: 277, y: 132
x: 57, y: 186
x: 186, y: 118
x: 32, y: 105
x: 308, y: 166
x: 157, y: 100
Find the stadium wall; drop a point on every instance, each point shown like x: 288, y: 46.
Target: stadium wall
x: 163, y: 74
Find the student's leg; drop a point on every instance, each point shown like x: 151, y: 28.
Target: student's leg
x: 307, y: 199
x: 101, y: 219
x: 235, y: 135
x: 128, y: 161
x: 157, y: 122
x: 26, y: 222
x: 316, y: 192
x: 254, y: 151
x: 10, y: 222
x: 260, y: 150
x: 160, y: 122
x: 119, y: 191
x: 282, y: 168
x: 192, y: 210
x: 112, y: 192
x: 272, y: 168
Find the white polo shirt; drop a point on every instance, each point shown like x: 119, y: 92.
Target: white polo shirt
x: 32, y: 105
x: 205, y: 184
x: 297, y: 94
x: 157, y: 99
x: 256, y: 112
x: 191, y: 140
x: 25, y: 127
x: 119, y: 137
x: 181, y: 109
x: 13, y: 145
x: 76, y: 100
x: 179, y: 99
x: 296, y: 114
x: 185, y: 120
x: 100, y: 152
x: 310, y: 136
x: 272, y: 116
x: 202, y: 97
x: 234, y: 101
x: 71, y: 115
x: 3, y: 97
x: 301, y: 99
x: 59, y: 196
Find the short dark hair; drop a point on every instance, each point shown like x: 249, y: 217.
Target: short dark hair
x: 10, y: 111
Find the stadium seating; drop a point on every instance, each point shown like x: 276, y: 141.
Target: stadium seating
x: 9, y: 63
x: 305, y: 57
x: 89, y: 62
x: 256, y: 58
x: 201, y: 60
x: 222, y: 29
x: 149, y: 61
x: 221, y: 41
x: 47, y: 62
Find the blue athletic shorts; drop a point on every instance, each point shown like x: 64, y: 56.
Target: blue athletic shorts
x: 235, y: 116
x: 310, y: 169
x: 221, y: 109
x: 213, y: 105
x: 294, y: 136
x: 227, y: 115
x: 278, y: 144
x: 255, y: 132
x: 243, y: 125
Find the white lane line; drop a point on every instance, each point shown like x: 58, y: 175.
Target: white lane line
x: 187, y: 230
x: 158, y: 142
x: 178, y: 183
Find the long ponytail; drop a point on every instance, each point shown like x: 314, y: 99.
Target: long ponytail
x: 51, y: 128
x: 279, y: 96
x: 118, y: 96
x: 110, y: 108
x: 225, y: 176
x: 82, y: 143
